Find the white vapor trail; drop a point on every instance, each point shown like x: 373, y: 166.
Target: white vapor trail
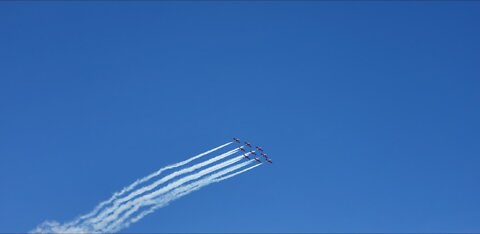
x: 169, y: 177
x: 147, y: 194
x: 144, y: 179
x: 102, y: 223
x: 175, y: 194
x: 236, y: 173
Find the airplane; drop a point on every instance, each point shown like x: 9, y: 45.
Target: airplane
x: 259, y: 148
x: 264, y: 155
x: 269, y: 160
x: 242, y: 149
x: 253, y: 152
x: 258, y: 160
x: 236, y: 139
x: 246, y: 156
x: 248, y: 144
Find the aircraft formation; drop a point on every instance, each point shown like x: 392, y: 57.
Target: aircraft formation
x: 259, y: 149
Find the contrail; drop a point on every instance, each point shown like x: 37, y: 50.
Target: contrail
x: 169, y: 177
x: 173, y: 175
x: 236, y: 173
x: 139, y: 181
x: 175, y: 194
x: 100, y: 222
x: 119, y: 210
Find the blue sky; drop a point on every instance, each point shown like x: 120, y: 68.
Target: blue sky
x: 369, y: 109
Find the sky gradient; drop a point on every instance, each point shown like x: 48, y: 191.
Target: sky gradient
x: 369, y: 109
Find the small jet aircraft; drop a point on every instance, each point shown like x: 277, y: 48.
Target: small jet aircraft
x: 253, y: 152
x: 264, y: 155
x: 258, y: 160
x: 246, y: 156
x: 242, y: 149
x: 259, y: 148
x: 236, y: 139
x: 248, y: 144
x: 269, y: 160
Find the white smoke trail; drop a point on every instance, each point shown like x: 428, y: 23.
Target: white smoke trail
x: 236, y: 173
x: 139, y: 181
x: 102, y: 223
x: 56, y: 227
x: 175, y: 194
x: 173, y: 190
x: 167, y: 178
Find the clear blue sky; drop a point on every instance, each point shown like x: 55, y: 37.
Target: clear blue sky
x: 369, y: 109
